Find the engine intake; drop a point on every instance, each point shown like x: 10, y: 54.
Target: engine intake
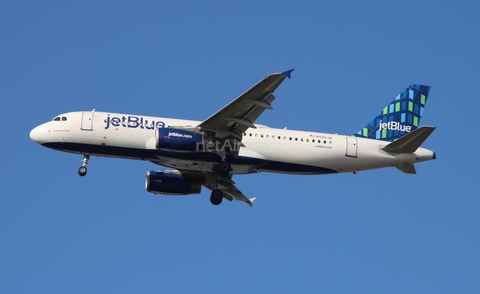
x: 178, y: 139
x: 171, y: 182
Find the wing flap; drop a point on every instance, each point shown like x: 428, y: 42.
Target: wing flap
x: 227, y: 186
x: 257, y: 111
x: 237, y: 195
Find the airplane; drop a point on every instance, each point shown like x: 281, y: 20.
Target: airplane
x: 208, y: 153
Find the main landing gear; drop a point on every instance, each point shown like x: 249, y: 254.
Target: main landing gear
x: 223, y: 169
x: 216, y: 197
x: 82, y: 171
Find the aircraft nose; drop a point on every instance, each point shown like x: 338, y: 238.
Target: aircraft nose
x: 35, y: 135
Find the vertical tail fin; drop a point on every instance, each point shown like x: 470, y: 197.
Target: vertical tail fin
x: 400, y: 117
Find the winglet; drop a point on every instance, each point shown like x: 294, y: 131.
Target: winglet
x: 251, y: 201
x: 288, y: 73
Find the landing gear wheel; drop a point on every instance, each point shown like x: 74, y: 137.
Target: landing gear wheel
x: 224, y: 168
x: 216, y: 197
x: 82, y: 171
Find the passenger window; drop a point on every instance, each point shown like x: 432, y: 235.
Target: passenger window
x: 279, y: 137
x: 301, y: 139
x: 261, y: 135
x: 308, y: 140
x: 296, y: 139
x: 267, y: 136
x: 250, y: 134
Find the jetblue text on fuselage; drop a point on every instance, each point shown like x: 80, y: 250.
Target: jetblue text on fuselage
x: 395, y: 126
x: 133, y: 122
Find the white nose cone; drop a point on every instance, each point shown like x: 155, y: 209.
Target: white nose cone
x: 36, y: 134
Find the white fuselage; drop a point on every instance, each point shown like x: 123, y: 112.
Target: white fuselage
x: 265, y: 149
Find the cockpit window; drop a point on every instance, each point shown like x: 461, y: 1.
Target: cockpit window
x: 64, y: 118
x: 56, y: 119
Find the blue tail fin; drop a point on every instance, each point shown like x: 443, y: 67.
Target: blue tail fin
x: 400, y: 117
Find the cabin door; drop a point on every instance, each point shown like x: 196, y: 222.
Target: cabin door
x: 87, y: 121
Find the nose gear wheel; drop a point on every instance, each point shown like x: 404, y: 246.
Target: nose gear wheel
x: 82, y: 171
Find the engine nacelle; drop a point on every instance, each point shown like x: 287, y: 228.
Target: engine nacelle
x: 178, y: 139
x: 171, y: 182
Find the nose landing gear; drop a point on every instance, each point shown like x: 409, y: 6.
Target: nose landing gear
x: 82, y: 171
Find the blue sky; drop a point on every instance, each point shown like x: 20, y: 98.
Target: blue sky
x: 379, y: 231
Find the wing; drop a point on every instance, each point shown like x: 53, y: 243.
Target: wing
x: 228, y: 125
x: 241, y: 113
x: 224, y: 183
x: 228, y: 188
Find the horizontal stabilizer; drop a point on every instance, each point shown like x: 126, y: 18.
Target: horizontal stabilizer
x: 408, y: 168
x: 411, y: 141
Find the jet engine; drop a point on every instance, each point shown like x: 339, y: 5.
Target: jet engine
x: 171, y: 182
x: 178, y: 139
